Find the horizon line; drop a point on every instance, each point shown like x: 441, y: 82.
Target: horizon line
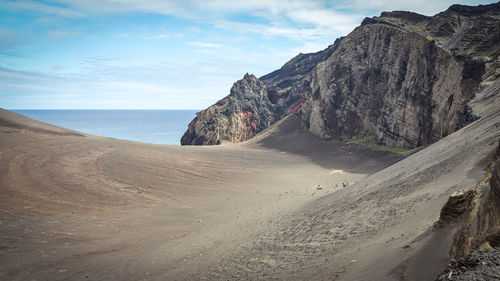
x: 10, y: 109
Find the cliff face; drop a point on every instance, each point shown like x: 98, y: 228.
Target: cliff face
x: 387, y: 82
x: 248, y: 109
x: 402, y: 77
x: 236, y: 117
x: 470, y: 33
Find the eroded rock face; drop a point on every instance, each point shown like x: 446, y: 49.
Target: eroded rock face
x: 402, y: 77
x: 386, y: 82
x: 454, y: 209
x: 482, y: 221
x: 470, y: 33
x: 237, y: 117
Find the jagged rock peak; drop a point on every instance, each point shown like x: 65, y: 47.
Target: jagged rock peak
x: 249, y: 77
x: 248, y: 109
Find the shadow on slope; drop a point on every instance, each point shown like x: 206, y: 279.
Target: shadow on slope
x: 287, y: 136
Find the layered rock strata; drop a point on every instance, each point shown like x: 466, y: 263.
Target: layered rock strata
x: 481, y: 226
x: 402, y: 77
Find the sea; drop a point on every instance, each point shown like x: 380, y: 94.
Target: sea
x: 151, y: 126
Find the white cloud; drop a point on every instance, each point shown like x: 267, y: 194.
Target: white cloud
x: 278, y: 17
x: 425, y: 7
x: 156, y: 36
x: 294, y: 19
x: 205, y: 45
x: 275, y: 29
x: 327, y: 18
x: 313, y: 11
x: 191, y: 8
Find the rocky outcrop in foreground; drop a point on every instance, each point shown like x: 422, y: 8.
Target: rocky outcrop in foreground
x: 476, y: 244
x: 402, y: 77
x: 478, y: 265
x: 482, y: 220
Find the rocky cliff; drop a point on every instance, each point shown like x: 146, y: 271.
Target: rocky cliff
x: 248, y: 109
x: 385, y: 82
x: 402, y: 77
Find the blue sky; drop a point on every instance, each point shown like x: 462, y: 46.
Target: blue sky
x: 156, y: 54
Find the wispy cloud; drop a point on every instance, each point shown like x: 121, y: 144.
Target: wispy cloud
x: 283, y: 18
x: 320, y: 10
x: 159, y: 36
x: 294, y: 19
x: 276, y: 29
x: 9, y: 42
x: 58, y: 34
x: 162, y: 53
x: 42, y: 8
x: 426, y: 7
x: 327, y: 19
x: 205, y: 45
x: 103, y: 85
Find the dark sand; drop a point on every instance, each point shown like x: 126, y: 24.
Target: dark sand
x: 81, y: 207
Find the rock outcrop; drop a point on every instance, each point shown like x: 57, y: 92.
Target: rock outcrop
x: 481, y: 226
x: 476, y: 244
x: 402, y: 77
x: 479, y: 265
x: 248, y: 109
x: 453, y: 211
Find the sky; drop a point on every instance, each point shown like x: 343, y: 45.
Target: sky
x: 160, y: 54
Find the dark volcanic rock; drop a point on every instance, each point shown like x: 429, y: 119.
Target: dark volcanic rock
x: 480, y: 265
x: 402, y: 77
x: 465, y: 118
x: 470, y: 33
x: 385, y: 82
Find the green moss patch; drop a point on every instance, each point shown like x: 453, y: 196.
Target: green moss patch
x: 371, y: 142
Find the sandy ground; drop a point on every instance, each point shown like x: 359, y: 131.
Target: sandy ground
x: 76, y: 206
x: 81, y: 207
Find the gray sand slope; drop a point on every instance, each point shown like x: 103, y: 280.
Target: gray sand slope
x: 76, y: 206
x: 85, y: 207
x: 381, y: 227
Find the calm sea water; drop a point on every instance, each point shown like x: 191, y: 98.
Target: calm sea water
x: 153, y: 126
